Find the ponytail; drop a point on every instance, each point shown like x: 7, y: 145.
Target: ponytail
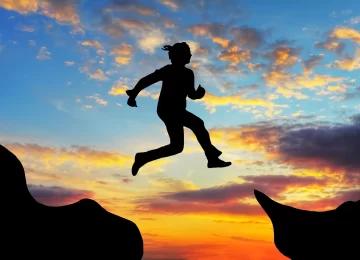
x: 167, y: 48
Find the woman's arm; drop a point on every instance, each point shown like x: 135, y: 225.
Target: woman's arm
x: 195, y: 93
x: 146, y: 81
x: 192, y: 92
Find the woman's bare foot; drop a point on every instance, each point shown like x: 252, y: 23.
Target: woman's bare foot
x: 217, y: 163
x: 139, y: 162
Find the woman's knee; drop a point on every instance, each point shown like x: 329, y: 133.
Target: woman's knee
x: 177, y: 147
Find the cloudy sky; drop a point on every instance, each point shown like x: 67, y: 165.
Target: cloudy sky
x: 282, y: 103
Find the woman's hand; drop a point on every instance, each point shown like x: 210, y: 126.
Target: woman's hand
x: 200, y: 92
x: 131, y: 102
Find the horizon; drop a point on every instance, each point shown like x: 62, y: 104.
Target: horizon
x: 282, y: 102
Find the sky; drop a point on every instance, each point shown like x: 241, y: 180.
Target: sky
x: 282, y: 102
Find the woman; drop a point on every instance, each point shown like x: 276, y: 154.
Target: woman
x: 178, y: 83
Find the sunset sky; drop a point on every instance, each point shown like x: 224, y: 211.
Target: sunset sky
x: 282, y: 103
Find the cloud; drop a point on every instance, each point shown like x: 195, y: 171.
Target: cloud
x: 64, y: 12
x: 69, y: 63
x: 119, y: 88
x: 244, y: 239
x: 131, y: 6
x: 20, y: 6
x: 166, y: 183
x: 197, y: 49
x: 123, y: 178
x: 57, y: 196
x: 98, y: 100
x: 225, y: 199
x: 348, y: 64
x: 214, y: 31
x: 289, y: 85
x: 227, y: 86
x: 333, y: 147
x: 346, y: 33
x: 32, y: 42
x: 98, y: 75
x: 323, y: 146
x: 283, y: 56
x: 170, y: 207
x: 111, y: 26
x: 148, y: 37
x: 122, y: 53
x: 148, y: 41
x: 256, y: 66
x: 312, y: 62
x: 77, y: 30
x: 132, y: 24
x: 92, y: 43
x: 329, y: 202
x: 247, y: 36
x: 354, y: 20
x: 174, y: 6
x: 27, y: 29
x: 80, y: 156
x: 43, y: 54
x: 238, y: 101
x: 234, y: 55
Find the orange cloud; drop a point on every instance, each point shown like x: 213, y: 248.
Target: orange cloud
x: 81, y: 156
x: 20, y: 6
x: 234, y: 55
x: 120, y: 87
x: 286, y: 83
x: 171, y: 4
x: 170, y: 184
x: 58, y: 196
x: 132, y: 24
x: 131, y: 7
x: 348, y: 64
x: 222, y: 41
x: 255, y: 66
x: 123, y: 49
x: 346, y: 33
x: 98, y: 75
x: 213, y: 31
x: 122, y: 53
x: 289, y: 93
x: 285, y: 56
x: 92, y: 43
x: 62, y: 11
x: 238, y: 101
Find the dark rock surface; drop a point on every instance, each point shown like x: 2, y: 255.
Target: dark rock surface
x: 81, y: 230
x: 309, y: 235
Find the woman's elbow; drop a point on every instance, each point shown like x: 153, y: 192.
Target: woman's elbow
x: 193, y: 96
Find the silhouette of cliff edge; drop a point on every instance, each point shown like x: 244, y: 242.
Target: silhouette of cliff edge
x: 311, y: 235
x: 81, y: 230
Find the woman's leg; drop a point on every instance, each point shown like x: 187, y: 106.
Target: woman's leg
x: 175, y: 130
x: 197, y: 125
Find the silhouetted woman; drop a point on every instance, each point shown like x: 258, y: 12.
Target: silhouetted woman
x: 178, y: 83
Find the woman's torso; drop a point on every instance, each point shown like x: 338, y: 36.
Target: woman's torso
x: 174, y: 90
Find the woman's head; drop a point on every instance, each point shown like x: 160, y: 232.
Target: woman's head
x: 179, y: 53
